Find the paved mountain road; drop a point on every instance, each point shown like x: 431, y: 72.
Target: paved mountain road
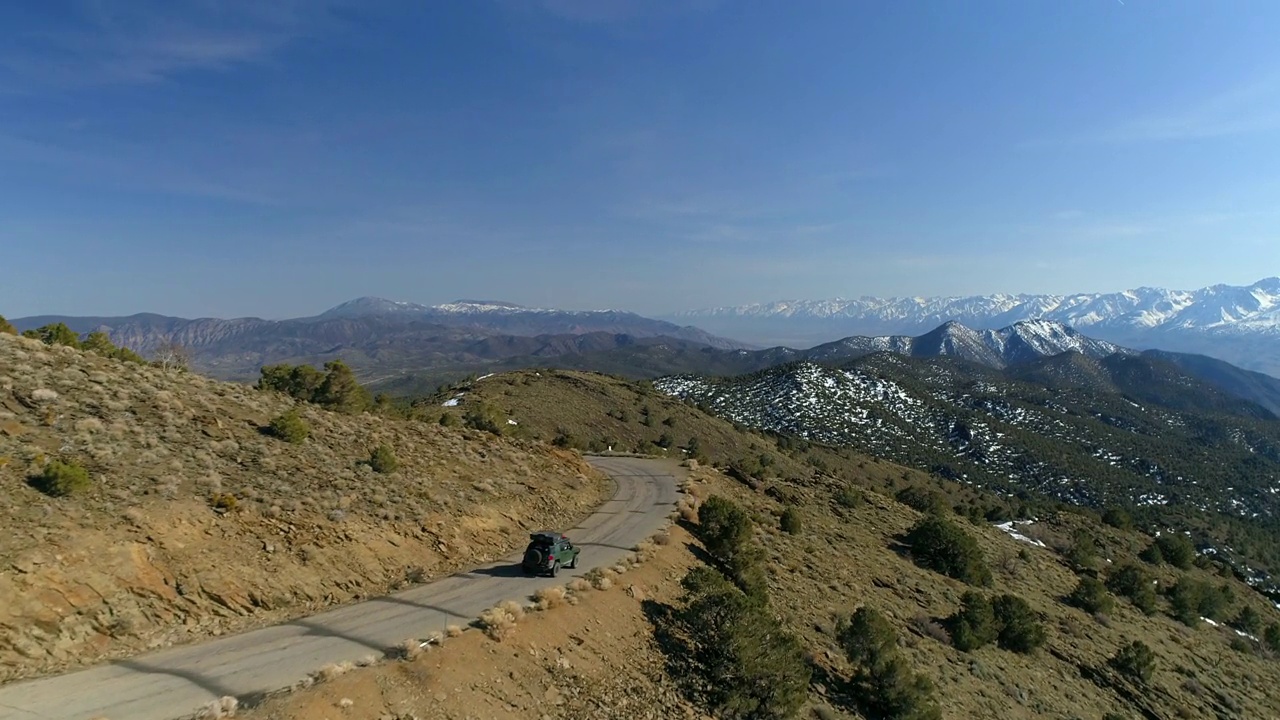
x: 178, y: 682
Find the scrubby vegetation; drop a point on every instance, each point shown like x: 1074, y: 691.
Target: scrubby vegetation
x: 752, y: 667
x: 790, y: 521
x: 486, y: 417
x: 747, y: 665
x: 974, y: 624
x: 923, y: 499
x: 1020, y: 627
x: 383, y: 459
x: 335, y: 389
x: 95, y: 342
x: 7, y: 327
x: 942, y: 546
x: 890, y: 688
x: 290, y: 427
x: 1135, y: 661
x: 1091, y: 596
x: 1132, y: 582
x: 723, y: 527
x: 61, y: 478
x: 1192, y: 598
x: 1174, y: 549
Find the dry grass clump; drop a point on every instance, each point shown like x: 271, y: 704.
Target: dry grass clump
x: 579, y: 585
x: 688, y: 511
x: 453, y: 631
x: 408, y: 649
x: 224, y: 707
x: 600, y: 579
x: 551, y: 597
x: 333, y: 671
x: 500, y: 622
x: 368, y: 661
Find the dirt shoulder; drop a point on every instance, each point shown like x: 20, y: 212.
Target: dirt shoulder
x: 152, y: 554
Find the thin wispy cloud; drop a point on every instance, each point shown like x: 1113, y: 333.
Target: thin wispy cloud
x: 1246, y: 109
x: 1249, y: 108
x: 131, y: 170
x: 109, y: 43
x: 610, y: 11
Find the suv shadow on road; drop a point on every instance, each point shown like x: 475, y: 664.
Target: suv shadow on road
x: 501, y: 571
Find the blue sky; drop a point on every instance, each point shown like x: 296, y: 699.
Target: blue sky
x: 205, y: 158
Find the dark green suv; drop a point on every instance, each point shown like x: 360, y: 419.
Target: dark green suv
x: 547, y: 552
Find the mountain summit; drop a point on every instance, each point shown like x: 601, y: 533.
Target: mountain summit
x: 1018, y: 343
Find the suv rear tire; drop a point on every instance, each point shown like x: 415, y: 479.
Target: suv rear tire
x: 555, y: 568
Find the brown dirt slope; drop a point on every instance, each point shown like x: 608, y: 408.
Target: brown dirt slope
x: 142, y: 559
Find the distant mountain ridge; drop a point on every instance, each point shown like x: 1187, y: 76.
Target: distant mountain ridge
x: 1237, y: 324
x: 1009, y: 347
x: 382, y: 336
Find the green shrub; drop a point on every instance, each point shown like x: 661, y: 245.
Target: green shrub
x: 60, y: 479
x: 942, y: 546
x: 1192, y: 599
x: 790, y: 521
x: 1135, y: 661
x: 290, y: 427
x: 1091, y: 596
x: 1130, y: 581
x: 1248, y: 620
x: 974, y: 624
x: 99, y: 343
x: 1020, y: 628
x: 723, y: 527
x: 753, y: 666
x: 226, y: 502
x: 1174, y: 549
x: 486, y: 417
x: 1151, y: 554
x: 336, y: 388
x: 383, y: 459
x: 1083, y: 552
x: 889, y: 687
x: 924, y: 500
x: 1242, y: 645
x: 850, y: 497
x: 7, y: 327
x: 1271, y: 637
x: 1118, y: 517
x: 55, y: 334
x: 746, y: 570
x: 448, y: 419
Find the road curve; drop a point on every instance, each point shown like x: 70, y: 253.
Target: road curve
x: 178, y: 682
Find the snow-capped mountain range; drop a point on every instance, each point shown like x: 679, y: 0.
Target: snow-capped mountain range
x: 1020, y: 342
x: 1237, y: 324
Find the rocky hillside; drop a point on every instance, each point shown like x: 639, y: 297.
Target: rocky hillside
x: 1128, y: 431
x: 144, y: 508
